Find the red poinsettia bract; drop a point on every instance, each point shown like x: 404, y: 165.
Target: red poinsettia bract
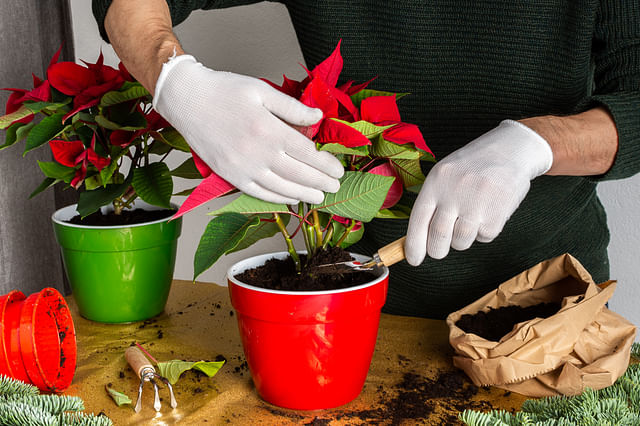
x: 74, y: 153
x: 319, y: 90
x: 86, y: 84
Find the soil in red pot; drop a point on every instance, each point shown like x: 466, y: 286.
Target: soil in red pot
x: 280, y: 274
x: 495, y: 323
x: 126, y: 217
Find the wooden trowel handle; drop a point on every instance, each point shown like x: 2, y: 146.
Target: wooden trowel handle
x: 392, y: 252
x: 137, y: 360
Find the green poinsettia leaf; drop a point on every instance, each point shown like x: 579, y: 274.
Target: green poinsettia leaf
x: 51, y: 169
x: 92, y: 182
x: 114, y: 97
x: 46, y: 183
x: 153, y: 184
x: 107, y: 172
x: 357, y: 98
x: 414, y: 188
x: 264, y: 229
x: 222, y: 234
x: 369, y: 130
x: 172, y: 370
x: 360, y: 196
x: 187, y: 170
x: 397, y: 212
x: 410, y: 172
x: 118, y: 397
x: 247, y: 204
x: 120, y: 120
x: 90, y: 201
x: 174, y: 139
x: 384, y: 148
x: 43, y: 132
x: 15, y: 133
x: 352, y: 237
x: 159, y: 147
x: 36, y: 107
x: 8, y: 119
x: 336, y: 148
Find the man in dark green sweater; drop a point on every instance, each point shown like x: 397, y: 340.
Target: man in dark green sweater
x: 527, y: 106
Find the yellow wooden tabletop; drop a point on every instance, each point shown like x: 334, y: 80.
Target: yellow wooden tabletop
x: 199, y: 324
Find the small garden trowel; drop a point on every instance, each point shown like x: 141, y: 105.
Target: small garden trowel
x: 385, y: 256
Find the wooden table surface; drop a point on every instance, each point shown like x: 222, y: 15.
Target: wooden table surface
x: 198, y: 324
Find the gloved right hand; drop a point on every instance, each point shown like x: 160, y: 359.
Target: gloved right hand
x: 238, y: 126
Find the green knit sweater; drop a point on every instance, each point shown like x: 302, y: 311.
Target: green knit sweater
x: 469, y: 64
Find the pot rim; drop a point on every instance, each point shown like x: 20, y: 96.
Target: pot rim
x: 382, y: 270
x: 61, y: 215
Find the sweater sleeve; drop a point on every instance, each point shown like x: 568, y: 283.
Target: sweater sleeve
x: 179, y: 9
x: 617, y: 79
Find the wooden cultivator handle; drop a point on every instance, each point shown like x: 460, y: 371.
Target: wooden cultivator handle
x: 137, y: 360
x: 392, y: 252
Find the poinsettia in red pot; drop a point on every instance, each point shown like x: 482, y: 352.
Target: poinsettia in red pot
x: 109, y: 144
x: 308, y: 336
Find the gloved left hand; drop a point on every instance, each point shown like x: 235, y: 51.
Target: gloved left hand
x: 471, y: 193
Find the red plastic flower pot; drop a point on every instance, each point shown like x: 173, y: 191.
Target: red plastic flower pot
x: 6, y: 325
x: 39, y: 340
x: 307, y: 350
x: 11, y: 336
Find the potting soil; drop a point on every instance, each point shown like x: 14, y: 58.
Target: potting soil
x: 281, y: 274
x: 495, y: 323
x: 126, y: 217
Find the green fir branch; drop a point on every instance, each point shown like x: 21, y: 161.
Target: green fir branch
x: 53, y: 404
x: 635, y: 351
x: 10, y: 386
x: 618, y: 404
x: 21, y: 404
x: 84, y: 419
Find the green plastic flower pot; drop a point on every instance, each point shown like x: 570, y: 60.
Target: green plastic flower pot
x: 118, y: 274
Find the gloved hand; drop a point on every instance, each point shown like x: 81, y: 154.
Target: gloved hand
x: 236, y: 124
x: 470, y: 194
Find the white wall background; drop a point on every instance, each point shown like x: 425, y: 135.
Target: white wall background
x: 259, y: 40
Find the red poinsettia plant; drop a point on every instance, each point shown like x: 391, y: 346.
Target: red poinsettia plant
x: 363, y: 129
x: 105, y: 138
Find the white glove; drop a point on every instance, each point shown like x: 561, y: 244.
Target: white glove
x: 236, y: 124
x: 470, y: 194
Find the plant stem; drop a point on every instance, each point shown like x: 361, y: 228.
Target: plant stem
x: 327, y: 236
x: 318, y: 229
x: 290, y: 248
x: 346, y: 233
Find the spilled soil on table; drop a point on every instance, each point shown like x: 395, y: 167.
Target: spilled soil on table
x: 414, y: 400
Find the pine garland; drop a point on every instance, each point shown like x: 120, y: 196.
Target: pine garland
x: 618, y: 404
x: 22, y: 404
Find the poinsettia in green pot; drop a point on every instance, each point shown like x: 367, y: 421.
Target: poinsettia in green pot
x: 107, y: 142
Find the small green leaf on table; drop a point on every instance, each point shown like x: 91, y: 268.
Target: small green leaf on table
x: 118, y: 397
x: 172, y: 370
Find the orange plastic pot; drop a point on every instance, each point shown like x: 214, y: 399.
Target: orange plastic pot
x: 38, y: 339
x: 307, y: 350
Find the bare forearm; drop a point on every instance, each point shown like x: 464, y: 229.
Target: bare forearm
x: 141, y: 33
x: 584, y: 144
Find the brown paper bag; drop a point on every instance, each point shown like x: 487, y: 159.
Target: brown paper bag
x: 583, y: 345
